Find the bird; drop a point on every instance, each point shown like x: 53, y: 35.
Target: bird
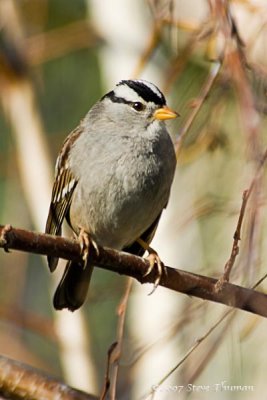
x: 113, y: 178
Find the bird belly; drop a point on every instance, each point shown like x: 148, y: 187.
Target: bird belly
x: 128, y: 192
x: 120, y: 208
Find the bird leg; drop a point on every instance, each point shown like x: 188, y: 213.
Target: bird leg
x: 154, y: 262
x: 85, y: 243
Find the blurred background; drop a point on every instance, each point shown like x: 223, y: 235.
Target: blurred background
x: 57, y: 58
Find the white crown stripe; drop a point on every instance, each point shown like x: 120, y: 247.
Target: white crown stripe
x: 127, y: 93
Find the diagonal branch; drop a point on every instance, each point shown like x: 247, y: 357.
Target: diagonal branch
x: 136, y: 267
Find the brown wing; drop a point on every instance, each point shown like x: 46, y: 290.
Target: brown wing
x: 147, y: 236
x: 61, y: 196
x: 62, y: 193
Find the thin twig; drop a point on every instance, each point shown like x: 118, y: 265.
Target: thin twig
x: 185, y: 357
x: 214, y: 71
x: 198, y: 369
x: 235, y: 247
x: 237, y: 235
x: 191, y: 310
x: 107, y: 374
x: 121, y: 323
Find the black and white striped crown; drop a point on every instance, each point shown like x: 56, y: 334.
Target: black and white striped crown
x: 130, y: 91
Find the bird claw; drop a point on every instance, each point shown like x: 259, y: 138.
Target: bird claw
x: 155, y: 262
x: 85, y: 243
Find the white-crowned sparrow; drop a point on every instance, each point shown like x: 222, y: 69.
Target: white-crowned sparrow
x: 113, y: 179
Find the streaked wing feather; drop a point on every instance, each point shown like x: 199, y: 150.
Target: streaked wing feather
x: 61, y: 196
x: 62, y: 193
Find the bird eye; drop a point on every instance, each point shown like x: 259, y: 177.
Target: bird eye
x: 138, y: 106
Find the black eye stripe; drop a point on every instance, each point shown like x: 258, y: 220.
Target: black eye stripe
x: 115, y: 99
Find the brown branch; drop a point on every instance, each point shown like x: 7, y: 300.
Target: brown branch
x: 130, y: 265
x: 20, y: 381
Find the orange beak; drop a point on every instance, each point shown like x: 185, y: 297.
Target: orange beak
x: 165, y: 113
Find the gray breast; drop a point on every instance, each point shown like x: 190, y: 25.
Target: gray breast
x: 124, y: 189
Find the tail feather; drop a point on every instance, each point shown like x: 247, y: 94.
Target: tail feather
x: 73, y: 287
x: 52, y: 263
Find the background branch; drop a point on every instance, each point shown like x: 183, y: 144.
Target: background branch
x: 23, y: 382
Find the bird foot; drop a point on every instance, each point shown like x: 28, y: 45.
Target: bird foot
x: 85, y: 243
x: 154, y: 262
